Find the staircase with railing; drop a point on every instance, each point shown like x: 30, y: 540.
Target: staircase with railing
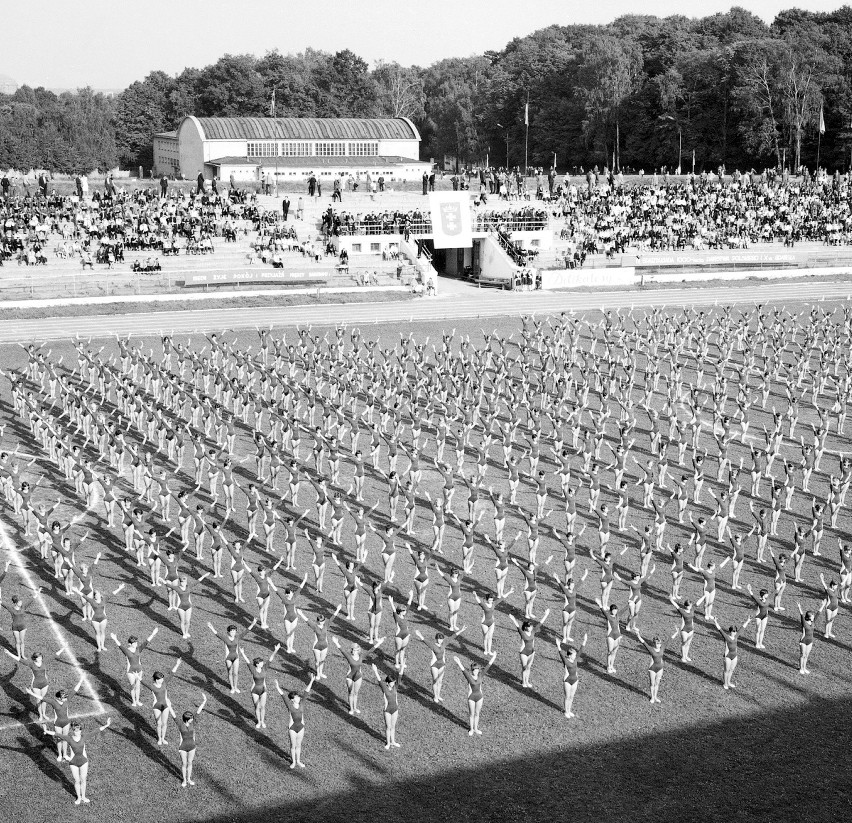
x: 516, y: 252
x: 420, y: 257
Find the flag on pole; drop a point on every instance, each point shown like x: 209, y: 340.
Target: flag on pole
x: 527, y: 114
x: 821, y: 121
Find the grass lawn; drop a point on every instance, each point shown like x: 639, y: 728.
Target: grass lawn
x: 774, y: 748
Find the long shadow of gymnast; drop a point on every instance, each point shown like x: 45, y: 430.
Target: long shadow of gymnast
x: 39, y: 751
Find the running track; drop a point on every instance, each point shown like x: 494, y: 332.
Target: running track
x: 455, y: 303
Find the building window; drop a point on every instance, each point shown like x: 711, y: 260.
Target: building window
x: 375, y: 247
x: 363, y: 149
x: 330, y: 149
x: 262, y: 149
x: 291, y: 149
x: 356, y: 247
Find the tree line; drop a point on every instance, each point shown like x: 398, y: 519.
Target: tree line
x: 640, y: 92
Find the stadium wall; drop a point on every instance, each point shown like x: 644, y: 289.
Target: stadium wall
x: 356, y: 244
x: 494, y: 263
x: 582, y: 278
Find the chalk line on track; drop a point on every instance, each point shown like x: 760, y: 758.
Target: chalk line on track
x: 18, y: 559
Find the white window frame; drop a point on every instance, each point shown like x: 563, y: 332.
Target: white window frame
x: 294, y: 148
x: 330, y: 148
x: 262, y: 148
x: 360, y: 149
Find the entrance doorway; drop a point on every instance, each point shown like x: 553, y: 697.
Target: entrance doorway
x: 455, y: 262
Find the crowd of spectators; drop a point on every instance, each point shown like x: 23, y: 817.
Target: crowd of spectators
x: 706, y: 213
x: 275, y: 238
x: 99, y: 229
x: 702, y: 212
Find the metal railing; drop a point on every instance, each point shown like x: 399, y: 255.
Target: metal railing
x: 367, y: 226
x: 519, y: 255
x: 510, y: 222
x: 481, y: 224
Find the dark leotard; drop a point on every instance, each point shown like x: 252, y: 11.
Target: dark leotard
x: 78, y: 749
x: 187, y: 735
x: 297, y: 715
x: 475, y: 684
x: 259, y: 678
x: 134, y: 663
x: 391, y: 700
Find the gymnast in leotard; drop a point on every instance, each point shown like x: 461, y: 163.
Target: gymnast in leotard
x: 294, y: 701
x: 474, y: 679
x: 77, y: 741
x: 391, y: 696
x: 527, y: 631
x: 231, y: 640
x: 258, y: 689
x: 570, y: 656
x: 133, y: 652
x: 187, y: 748
x: 655, y: 672
x: 354, y: 677
x: 162, y: 703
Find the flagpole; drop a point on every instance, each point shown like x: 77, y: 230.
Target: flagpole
x: 527, y: 140
x: 819, y: 141
x: 617, y: 154
x: 276, y: 147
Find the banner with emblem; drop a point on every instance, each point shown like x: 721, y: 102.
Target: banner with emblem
x: 452, y: 227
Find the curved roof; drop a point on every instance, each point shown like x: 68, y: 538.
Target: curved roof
x: 306, y: 128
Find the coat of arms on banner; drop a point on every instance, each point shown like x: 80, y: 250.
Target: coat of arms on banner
x: 451, y: 222
x: 451, y: 219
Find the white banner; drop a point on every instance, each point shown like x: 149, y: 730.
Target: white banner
x: 452, y: 227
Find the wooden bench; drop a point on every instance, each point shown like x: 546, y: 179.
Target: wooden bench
x: 497, y: 282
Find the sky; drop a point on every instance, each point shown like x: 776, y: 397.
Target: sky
x: 107, y: 44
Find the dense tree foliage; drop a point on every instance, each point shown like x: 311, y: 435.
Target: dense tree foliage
x: 69, y: 132
x: 726, y: 89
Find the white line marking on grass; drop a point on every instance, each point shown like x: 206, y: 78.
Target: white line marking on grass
x: 17, y: 724
x: 69, y: 655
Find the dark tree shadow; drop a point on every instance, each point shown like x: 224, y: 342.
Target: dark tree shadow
x: 721, y: 771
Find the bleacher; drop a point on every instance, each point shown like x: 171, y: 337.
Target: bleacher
x: 235, y: 264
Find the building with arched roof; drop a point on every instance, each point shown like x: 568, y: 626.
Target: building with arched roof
x: 290, y: 148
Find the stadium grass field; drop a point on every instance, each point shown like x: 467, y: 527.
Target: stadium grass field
x: 775, y: 748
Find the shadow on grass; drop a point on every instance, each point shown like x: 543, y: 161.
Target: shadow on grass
x: 773, y: 766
